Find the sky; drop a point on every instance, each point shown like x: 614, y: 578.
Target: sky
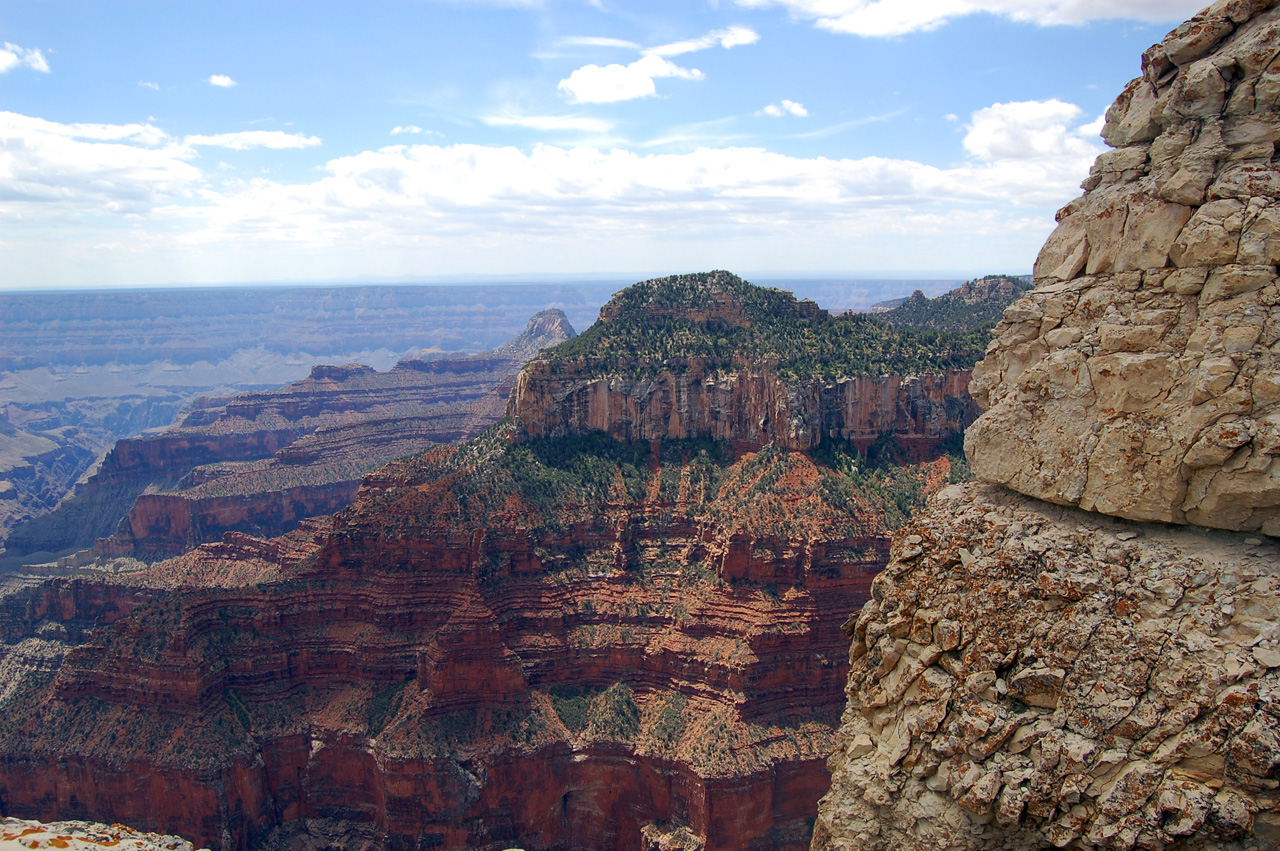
x: 154, y: 143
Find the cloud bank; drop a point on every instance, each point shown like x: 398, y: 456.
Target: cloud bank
x: 546, y: 207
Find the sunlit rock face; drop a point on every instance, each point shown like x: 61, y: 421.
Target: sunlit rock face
x: 1032, y: 675
x: 1141, y: 377
x: 1029, y: 676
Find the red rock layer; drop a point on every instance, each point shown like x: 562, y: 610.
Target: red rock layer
x: 258, y: 462
x: 614, y: 674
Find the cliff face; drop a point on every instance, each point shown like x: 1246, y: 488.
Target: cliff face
x: 747, y: 408
x: 559, y: 645
x: 570, y: 641
x: 1034, y: 676
x: 259, y: 462
x: 713, y: 356
x: 1141, y: 378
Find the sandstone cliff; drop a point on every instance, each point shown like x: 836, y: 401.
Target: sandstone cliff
x: 712, y: 356
x: 1142, y: 376
x: 1031, y: 675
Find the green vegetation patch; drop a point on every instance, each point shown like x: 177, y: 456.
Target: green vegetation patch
x: 721, y: 323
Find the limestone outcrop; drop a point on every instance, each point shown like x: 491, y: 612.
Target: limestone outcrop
x: 1031, y: 675
x: 1141, y: 378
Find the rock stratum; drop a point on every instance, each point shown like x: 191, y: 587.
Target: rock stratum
x: 1031, y: 675
x: 561, y: 642
x: 260, y: 462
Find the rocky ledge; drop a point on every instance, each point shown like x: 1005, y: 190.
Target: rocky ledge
x: 1030, y: 675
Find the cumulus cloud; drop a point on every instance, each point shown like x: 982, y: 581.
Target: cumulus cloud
x: 246, y: 139
x: 727, y: 38
x: 612, y: 83
x: 787, y: 107
x: 1028, y: 130
x: 1025, y: 154
x: 550, y: 122
x: 52, y: 169
x: 895, y: 17
x: 12, y: 56
x: 146, y: 85
x: 222, y: 81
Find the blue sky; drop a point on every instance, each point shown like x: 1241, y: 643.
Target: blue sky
x: 146, y: 143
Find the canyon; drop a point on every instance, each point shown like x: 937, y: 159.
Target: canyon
x: 260, y: 462
x: 568, y: 641
x: 1079, y: 650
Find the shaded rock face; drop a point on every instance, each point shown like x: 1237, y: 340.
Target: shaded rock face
x: 1142, y: 377
x: 449, y: 664
x: 260, y: 462
x: 1033, y: 677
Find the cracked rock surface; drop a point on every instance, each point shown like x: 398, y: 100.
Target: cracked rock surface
x: 1030, y: 676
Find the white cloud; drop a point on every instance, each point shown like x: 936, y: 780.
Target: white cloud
x: 550, y: 122
x: 787, y: 107
x: 446, y: 207
x: 12, y: 56
x: 727, y: 38
x: 1028, y: 131
x: 898, y: 17
x: 596, y: 41
x: 49, y: 169
x: 246, y: 139
x: 222, y: 81
x: 408, y: 128
x: 152, y: 86
x: 1093, y: 129
x: 612, y: 83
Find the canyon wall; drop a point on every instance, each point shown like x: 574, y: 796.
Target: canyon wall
x: 750, y: 409
x: 1031, y: 675
x: 448, y: 665
x: 259, y: 462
